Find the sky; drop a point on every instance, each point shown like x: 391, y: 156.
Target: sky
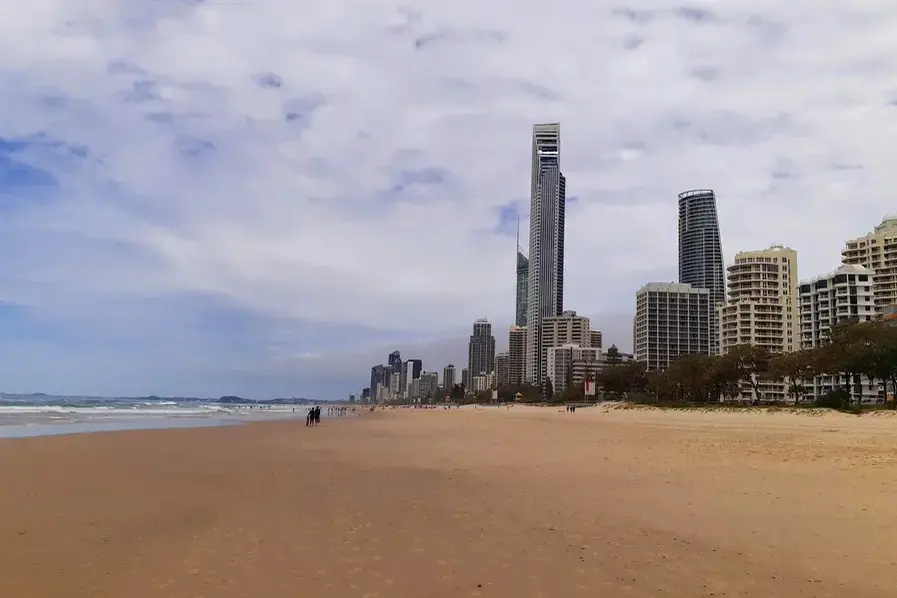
x: 204, y: 198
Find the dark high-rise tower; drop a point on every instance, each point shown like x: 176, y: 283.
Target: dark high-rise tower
x: 701, y: 250
x: 395, y: 360
x: 481, y: 349
x: 545, y: 294
x: 522, y: 282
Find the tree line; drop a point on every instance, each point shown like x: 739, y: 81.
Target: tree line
x: 853, y: 352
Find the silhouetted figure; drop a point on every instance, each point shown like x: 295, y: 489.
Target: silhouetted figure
x: 317, y: 416
x: 310, y: 416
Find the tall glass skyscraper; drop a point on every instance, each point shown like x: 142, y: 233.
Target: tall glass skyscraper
x: 546, y: 243
x: 701, y: 251
x: 522, y: 282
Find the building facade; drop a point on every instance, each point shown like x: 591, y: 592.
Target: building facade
x: 845, y: 295
x: 465, y: 378
x: 503, y: 369
x: 428, y: 385
x: 762, y: 310
x: 565, y: 329
x: 378, y: 377
x: 410, y: 373
x: 671, y: 320
x: 481, y: 349
x: 701, y: 250
x: 522, y: 283
x: 448, y: 378
x: 545, y: 292
x: 596, y: 339
x: 877, y: 251
x: 517, y: 355
x: 569, y: 365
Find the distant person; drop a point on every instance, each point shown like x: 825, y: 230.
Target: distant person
x: 310, y: 416
x: 317, y: 417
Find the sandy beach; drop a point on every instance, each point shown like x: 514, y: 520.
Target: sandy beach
x: 473, y: 502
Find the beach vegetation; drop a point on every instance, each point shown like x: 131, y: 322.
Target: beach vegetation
x: 854, y: 352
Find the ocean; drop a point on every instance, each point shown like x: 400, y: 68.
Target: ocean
x: 40, y: 415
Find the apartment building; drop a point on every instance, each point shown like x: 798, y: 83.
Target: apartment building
x: 429, y: 382
x: 565, y: 329
x: 516, y: 355
x: 502, y: 369
x: 569, y: 365
x: 448, y: 378
x: 671, y: 320
x: 481, y: 348
x: 825, y: 301
x: 596, y: 339
x: 762, y: 309
x: 877, y: 251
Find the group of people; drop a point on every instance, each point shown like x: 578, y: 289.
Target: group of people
x: 313, y: 418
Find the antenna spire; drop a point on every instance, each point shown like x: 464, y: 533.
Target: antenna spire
x: 518, y: 234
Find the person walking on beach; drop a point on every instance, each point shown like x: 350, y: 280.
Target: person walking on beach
x: 309, y: 416
x: 317, y: 415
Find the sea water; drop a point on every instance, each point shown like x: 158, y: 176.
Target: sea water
x: 41, y: 415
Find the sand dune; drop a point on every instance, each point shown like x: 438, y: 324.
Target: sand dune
x: 485, y: 502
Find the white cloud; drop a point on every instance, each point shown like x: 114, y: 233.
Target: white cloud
x: 203, y: 175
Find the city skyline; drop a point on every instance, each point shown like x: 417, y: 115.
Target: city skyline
x: 188, y: 217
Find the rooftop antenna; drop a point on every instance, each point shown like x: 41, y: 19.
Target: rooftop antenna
x: 518, y: 234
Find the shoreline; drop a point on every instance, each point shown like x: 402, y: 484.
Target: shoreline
x: 25, y: 427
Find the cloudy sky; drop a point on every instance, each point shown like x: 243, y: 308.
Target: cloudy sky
x: 266, y: 197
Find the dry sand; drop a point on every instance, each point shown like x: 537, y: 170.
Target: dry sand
x: 487, y: 502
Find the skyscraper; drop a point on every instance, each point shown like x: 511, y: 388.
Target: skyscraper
x: 701, y: 251
x: 395, y: 360
x: 517, y: 355
x: 545, y: 294
x: 481, y: 349
x: 522, y: 282
x: 448, y: 378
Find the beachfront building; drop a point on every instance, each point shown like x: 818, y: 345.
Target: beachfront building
x: 565, y: 329
x: 570, y: 364
x: 545, y: 291
x: 877, y: 251
x: 762, y: 310
x: 502, y: 369
x: 448, y: 378
x: 596, y: 339
x: 845, y: 295
x: 701, y: 250
x: 479, y: 383
x: 522, y: 282
x: 412, y: 371
x: 465, y: 378
x: 516, y: 355
x: 481, y: 349
x: 395, y: 386
x: 429, y: 381
x: 671, y: 320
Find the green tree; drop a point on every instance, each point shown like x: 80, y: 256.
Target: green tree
x: 793, y: 369
x: 751, y: 363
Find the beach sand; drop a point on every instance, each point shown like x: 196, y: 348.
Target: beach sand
x: 471, y: 502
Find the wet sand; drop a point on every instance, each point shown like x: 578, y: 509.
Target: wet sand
x: 488, y: 502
